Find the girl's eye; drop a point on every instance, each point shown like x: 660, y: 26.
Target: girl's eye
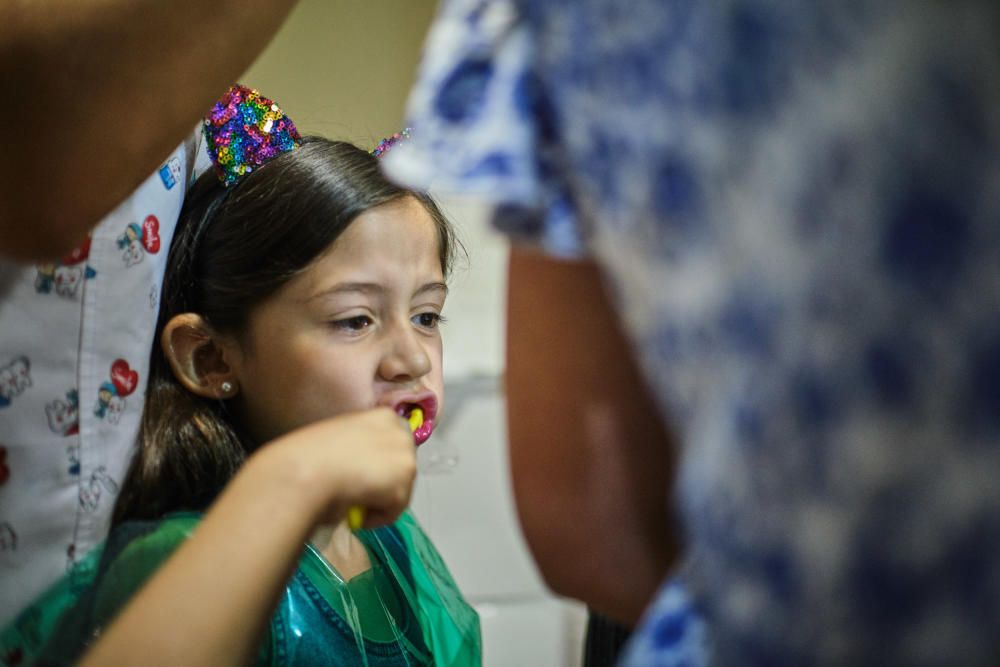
x: 353, y: 324
x: 428, y: 320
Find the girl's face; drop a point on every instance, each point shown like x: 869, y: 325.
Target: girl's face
x: 357, y: 329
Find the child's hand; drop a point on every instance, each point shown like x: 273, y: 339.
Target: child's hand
x: 245, y: 548
x: 365, y: 458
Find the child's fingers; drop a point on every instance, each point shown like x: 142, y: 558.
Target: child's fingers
x: 374, y: 461
x: 356, y: 514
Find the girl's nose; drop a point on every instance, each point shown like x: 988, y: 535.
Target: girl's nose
x: 405, y: 358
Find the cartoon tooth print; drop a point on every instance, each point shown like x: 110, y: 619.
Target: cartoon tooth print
x: 170, y: 172
x: 111, y: 395
x: 137, y: 240
x: 66, y: 275
x: 20, y: 370
x: 64, y: 416
x: 91, y: 492
x: 133, y: 254
x: 8, y: 537
x: 15, y: 377
x: 68, y: 279
x: 116, y: 406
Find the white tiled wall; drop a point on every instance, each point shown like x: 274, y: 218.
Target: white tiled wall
x: 463, y: 495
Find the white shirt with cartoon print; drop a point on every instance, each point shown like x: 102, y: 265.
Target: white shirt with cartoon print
x: 75, y: 337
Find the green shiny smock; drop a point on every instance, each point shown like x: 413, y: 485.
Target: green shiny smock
x: 405, y: 610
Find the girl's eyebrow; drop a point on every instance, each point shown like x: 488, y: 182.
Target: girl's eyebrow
x: 364, y: 288
x: 433, y: 287
x: 375, y: 288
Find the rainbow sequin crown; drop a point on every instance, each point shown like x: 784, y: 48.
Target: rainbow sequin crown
x: 390, y: 141
x: 244, y: 130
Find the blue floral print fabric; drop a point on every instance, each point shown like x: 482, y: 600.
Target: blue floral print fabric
x: 797, y: 206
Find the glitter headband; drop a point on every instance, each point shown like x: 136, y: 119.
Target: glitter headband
x: 390, y: 141
x: 244, y: 130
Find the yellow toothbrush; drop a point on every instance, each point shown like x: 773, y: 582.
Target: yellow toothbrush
x: 356, y: 514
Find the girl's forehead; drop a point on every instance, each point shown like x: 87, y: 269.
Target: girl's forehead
x: 401, y: 231
x: 392, y: 244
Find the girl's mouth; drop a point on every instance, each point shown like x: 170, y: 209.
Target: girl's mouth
x: 420, y: 416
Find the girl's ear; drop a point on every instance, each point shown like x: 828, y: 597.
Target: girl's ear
x: 199, y: 357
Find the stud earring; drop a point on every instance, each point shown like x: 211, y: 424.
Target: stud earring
x: 226, y: 387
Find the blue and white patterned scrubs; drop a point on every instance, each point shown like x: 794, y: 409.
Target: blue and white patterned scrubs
x: 798, y: 208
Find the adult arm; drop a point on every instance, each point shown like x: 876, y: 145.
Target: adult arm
x: 211, y: 602
x: 98, y: 93
x: 591, y: 459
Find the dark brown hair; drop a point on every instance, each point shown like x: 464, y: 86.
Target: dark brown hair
x: 234, y: 247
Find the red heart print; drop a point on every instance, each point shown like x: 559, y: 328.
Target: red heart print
x: 151, y: 234
x: 124, y: 378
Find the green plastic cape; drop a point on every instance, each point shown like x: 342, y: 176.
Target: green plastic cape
x: 405, y: 610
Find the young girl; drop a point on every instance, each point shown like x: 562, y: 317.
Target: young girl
x: 301, y: 285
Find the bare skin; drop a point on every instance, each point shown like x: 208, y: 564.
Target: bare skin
x: 106, y: 89
x: 342, y: 549
x: 592, y: 462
